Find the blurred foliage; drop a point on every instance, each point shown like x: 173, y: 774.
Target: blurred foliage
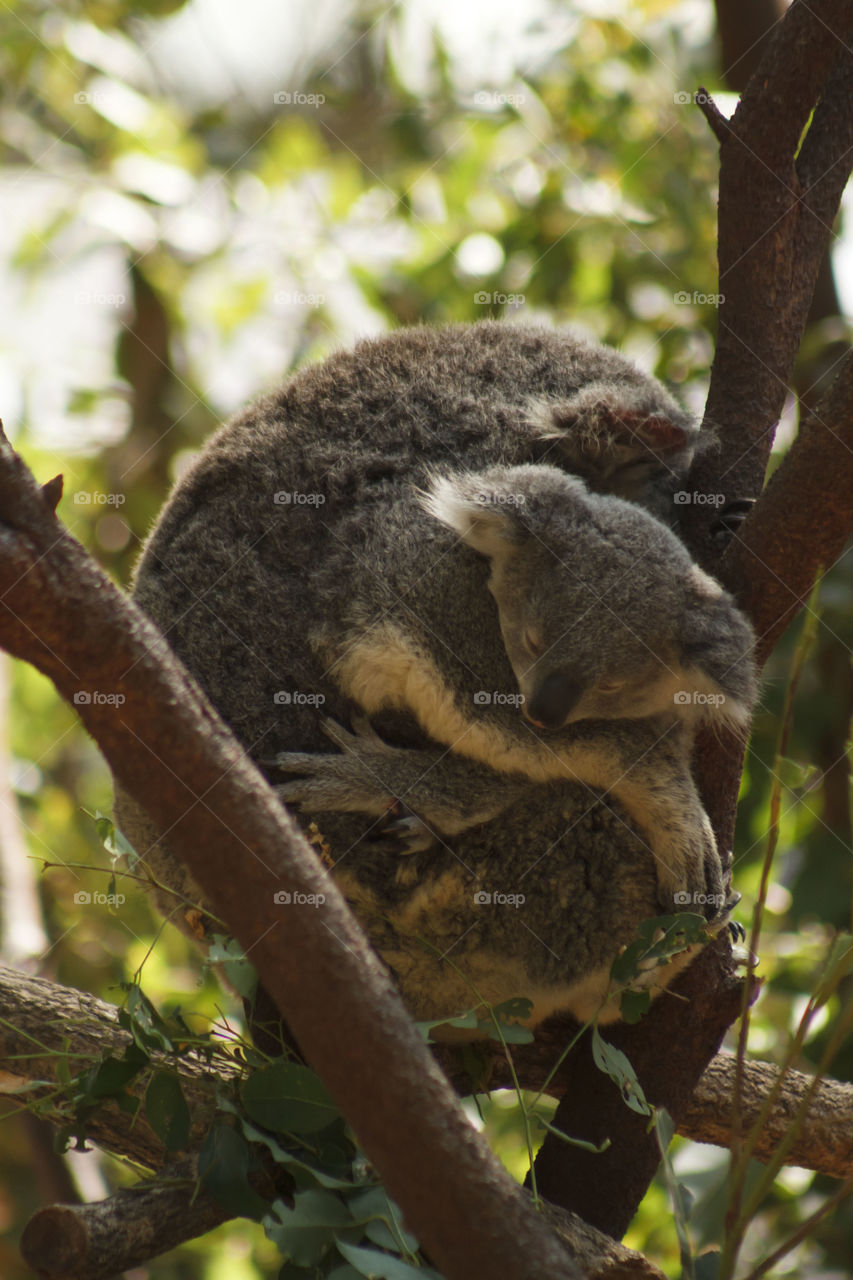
x: 196, y: 201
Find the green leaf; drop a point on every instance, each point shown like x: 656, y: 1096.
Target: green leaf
x: 142, y: 1020
x: 288, y: 1098
x: 111, y: 1076
x: 679, y: 1195
x: 240, y: 973
x: 307, y: 1231
x: 166, y: 1110
x: 633, y: 1005
x: 381, y: 1266
x: 382, y: 1219
x: 613, y: 1062
x: 658, y: 940
x: 224, y: 1162
x: 111, y: 838
x: 282, y: 1156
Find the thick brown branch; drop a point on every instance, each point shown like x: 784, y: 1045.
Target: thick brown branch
x: 98, y: 1241
x: 59, y: 611
x: 776, y: 218
x: 42, y: 1025
x: 825, y: 1142
x: 803, y: 520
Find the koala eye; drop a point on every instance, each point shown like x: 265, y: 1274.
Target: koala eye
x: 609, y: 686
x: 533, y: 642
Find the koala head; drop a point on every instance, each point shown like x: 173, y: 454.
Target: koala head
x: 603, y: 613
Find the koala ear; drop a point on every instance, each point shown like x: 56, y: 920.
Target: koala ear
x: 598, y: 420
x: 474, y: 511
x: 716, y: 645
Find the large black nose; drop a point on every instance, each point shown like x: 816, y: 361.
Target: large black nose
x: 555, y: 697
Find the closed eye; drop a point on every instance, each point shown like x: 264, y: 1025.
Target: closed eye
x: 609, y: 686
x: 533, y: 643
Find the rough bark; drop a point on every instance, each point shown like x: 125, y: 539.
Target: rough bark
x: 62, y: 1022
x: 169, y: 749
x: 778, y: 200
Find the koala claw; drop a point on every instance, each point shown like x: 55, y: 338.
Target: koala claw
x: 408, y: 832
x: 737, y: 931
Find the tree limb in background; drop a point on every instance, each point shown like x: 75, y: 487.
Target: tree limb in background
x: 777, y: 203
x: 803, y: 520
x: 169, y: 749
x: 45, y: 1027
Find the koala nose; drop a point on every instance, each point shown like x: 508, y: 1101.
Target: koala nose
x: 550, y: 705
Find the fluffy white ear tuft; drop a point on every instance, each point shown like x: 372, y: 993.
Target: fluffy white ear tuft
x: 470, y: 508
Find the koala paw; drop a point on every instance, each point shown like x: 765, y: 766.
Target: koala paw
x: 404, y: 833
x: 331, y: 784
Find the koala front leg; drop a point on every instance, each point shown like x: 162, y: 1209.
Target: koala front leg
x: 645, y: 764
x: 447, y: 792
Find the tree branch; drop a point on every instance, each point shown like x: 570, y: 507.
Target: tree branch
x: 60, y: 612
x: 776, y: 214
x: 803, y: 520
x: 43, y: 1027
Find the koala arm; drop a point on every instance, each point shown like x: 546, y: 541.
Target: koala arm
x: 450, y: 793
x: 644, y: 764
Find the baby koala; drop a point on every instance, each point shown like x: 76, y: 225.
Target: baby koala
x: 540, y: 632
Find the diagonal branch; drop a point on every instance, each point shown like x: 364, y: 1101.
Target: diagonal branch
x: 59, y: 611
x: 777, y: 207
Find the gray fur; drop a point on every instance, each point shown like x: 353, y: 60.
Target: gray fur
x: 355, y: 594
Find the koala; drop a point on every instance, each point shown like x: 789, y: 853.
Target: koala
x: 617, y: 642
x: 320, y: 561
